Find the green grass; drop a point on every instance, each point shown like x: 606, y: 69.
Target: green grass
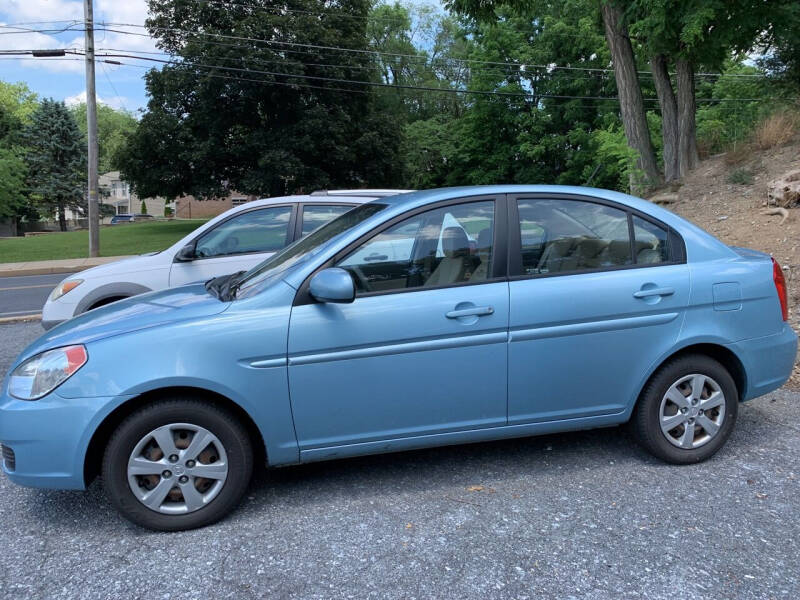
x: 117, y: 240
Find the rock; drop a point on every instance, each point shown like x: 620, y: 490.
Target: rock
x: 664, y: 198
x: 785, y: 190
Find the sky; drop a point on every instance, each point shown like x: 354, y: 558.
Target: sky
x: 119, y: 87
x: 64, y: 79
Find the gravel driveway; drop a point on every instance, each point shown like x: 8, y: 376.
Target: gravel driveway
x: 581, y: 515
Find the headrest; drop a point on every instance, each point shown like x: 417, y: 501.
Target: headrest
x: 454, y: 242
x: 485, y: 240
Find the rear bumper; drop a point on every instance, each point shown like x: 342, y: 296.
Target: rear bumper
x: 768, y: 361
x: 49, y: 438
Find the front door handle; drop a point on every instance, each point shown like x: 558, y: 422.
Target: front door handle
x: 666, y: 291
x: 474, y: 311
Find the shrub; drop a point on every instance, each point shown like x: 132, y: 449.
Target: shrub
x: 740, y: 177
x: 776, y: 129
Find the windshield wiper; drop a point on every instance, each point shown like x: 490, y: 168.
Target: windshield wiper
x: 220, y: 287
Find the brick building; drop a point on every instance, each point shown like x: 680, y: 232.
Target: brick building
x: 189, y: 207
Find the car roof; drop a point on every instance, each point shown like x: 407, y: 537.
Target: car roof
x: 702, y: 242
x: 423, y: 197
x: 324, y: 197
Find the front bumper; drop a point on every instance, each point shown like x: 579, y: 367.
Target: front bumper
x: 49, y: 438
x: 768, y: 361
x: 55, y: 312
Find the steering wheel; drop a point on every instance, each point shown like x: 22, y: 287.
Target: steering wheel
x: 363, y: 282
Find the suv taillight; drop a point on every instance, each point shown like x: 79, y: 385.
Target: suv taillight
x: 780, y: 287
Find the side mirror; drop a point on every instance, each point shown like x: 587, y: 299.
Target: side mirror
x: 185, y: 254
x: 333, y: 285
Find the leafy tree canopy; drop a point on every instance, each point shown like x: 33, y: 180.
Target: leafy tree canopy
x: 244, y: 124
x: 113, y: 129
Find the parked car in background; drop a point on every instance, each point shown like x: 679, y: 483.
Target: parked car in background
x: 143, y: 217
x: 121, y: 219
x: 234, y: 241
x: 387, y: 330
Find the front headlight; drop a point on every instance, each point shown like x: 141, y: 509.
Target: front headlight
x: 41, y: 374
x: 65, y: 286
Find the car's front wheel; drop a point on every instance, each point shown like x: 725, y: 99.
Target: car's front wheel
x: 687, y: 411
x: 177, y: 464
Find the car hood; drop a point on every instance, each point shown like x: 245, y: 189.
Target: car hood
x: 132, y: 314
x: 143, y: 262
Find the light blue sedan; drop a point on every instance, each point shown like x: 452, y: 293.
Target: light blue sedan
x: 439, y: 317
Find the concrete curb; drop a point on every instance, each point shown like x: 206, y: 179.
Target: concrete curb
x: 48, y: 267
x: 20, y: 319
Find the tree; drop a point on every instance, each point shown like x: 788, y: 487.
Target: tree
x: 780, y: 47
x: 17, y: 103
x: 688, y: 34
x: 56, y: 158
x: 143, y: 208
x: 629, y: 91
x: 242, y: 121
x: 113, y: 129
x: 12, y: 183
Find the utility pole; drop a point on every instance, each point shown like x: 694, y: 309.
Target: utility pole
x: 91, y: 127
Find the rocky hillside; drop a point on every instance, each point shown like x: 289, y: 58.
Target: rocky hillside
x: 727, y: 196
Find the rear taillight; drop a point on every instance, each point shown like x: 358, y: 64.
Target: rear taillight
x: 780, y: 287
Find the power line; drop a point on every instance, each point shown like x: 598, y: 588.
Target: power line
x: 423, y: 59
x: 361, y: 67
x: 9, y: 25
x: 113, y: 87
x: 549, y: 68
x: 26, y: 30
x: 395, y: 86
x: 358, y: 91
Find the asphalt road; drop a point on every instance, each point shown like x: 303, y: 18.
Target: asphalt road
x: 26, y: 295
x: 580, y: 515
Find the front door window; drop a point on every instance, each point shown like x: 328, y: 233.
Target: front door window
x: 438, y: 248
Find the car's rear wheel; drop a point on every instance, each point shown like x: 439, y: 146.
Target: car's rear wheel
x: 177, y: 464
x: 687, y: 410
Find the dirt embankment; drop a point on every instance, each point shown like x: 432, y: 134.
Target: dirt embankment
x: 726, y: 195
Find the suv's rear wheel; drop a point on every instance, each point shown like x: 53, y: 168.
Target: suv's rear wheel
x: 687, y: 411
x: 177, y: 464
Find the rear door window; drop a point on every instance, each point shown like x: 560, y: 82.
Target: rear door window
x: 317, y: 215
x: 567, y: 236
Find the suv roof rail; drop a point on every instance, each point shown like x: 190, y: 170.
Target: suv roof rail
x: 371, y: 193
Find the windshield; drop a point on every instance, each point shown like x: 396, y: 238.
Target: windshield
x: 304, y: 248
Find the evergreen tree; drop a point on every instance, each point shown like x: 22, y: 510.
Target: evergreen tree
x: 56, y: 158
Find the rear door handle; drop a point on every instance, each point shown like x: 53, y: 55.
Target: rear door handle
x: 476, y: 311
x: 666, y: 291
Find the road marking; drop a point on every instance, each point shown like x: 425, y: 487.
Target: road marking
x: 27, y: 287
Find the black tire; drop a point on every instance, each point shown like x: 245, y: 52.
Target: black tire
x: 224, y: 425
x: 644, y: 423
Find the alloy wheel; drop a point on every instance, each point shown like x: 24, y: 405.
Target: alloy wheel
x: 692, y: 411
x: 177, y: 468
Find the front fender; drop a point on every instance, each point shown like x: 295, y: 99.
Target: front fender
x: 239, y: 354
x: 109, y: 290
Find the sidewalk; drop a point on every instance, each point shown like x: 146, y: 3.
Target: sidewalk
x: 46, y: 267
